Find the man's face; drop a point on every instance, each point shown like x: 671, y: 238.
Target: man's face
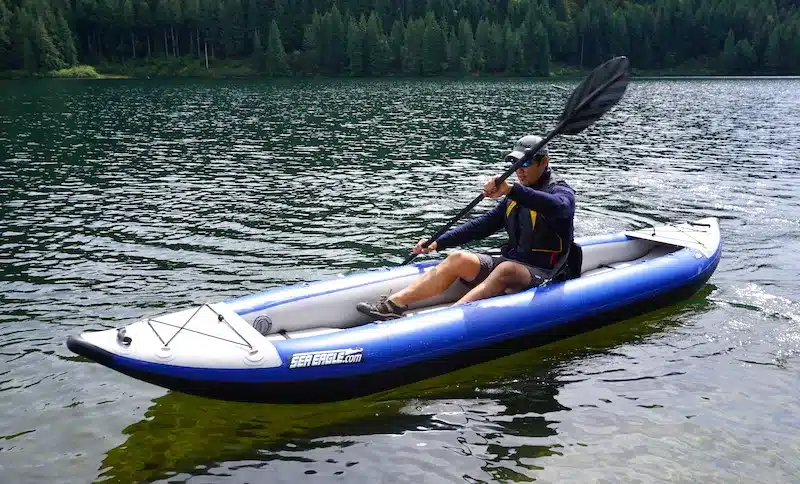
x: 528, y: 175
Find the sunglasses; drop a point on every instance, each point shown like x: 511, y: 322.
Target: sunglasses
x: 526, y: 163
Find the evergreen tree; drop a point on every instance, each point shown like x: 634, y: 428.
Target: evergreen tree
x: 312, y: 44
x: 376, y: 47
x: 144, y: 21
x: 452, y: 58
x: 396, y: 39
x: 127, y: 22
x: 5, y: 34
x: 728, y: 58
x: 541, y: 65
x: 23, y: 55
x: 434, y: 45
x: 772, y: 56
x: 466, y: 41
x: 276, y: 55
x: 386, y: 11
x: 561, y: 9
x: 514, y: 58
x: 48, y: 57
x: 746, y: 59
x: 481, y: 46
x: 30, y: 63
x: 372, y: 34
x: 355, y: 48
x: 64, y: 41
x: 413, y: 47
x: 259, y: 56
x: 496, y: 50
x: 335, y: 38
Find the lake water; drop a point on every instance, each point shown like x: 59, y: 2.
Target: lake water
x: 124, y: 199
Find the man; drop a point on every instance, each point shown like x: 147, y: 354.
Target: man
x: 538, y: 215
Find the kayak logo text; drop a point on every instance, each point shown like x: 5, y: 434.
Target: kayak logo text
x: 325, y: 358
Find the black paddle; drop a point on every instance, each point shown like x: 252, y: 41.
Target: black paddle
x: 602, y: 89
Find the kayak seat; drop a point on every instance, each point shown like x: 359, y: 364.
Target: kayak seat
x: 572, y: 269
x: 574, y: 262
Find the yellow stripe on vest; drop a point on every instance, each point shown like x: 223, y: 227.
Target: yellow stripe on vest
x: 510, y: 207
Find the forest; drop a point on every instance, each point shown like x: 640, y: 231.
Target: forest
x: 399, y: 37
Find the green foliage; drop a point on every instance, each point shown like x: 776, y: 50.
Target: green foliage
x: 64, y: 41
x: 334, y: 41
x: 355, y: 48
x: 377, y: 53
x: 259, y: 56
x: 276, y: 55
x: 413, y: 47
x: 414, y: 37
x: 76, y: 72
x: 48, y: 57
x: 434, y: 47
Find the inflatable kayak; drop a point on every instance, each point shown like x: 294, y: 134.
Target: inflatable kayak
x: 307, y: 342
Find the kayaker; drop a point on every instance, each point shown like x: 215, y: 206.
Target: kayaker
x: 537, y: 213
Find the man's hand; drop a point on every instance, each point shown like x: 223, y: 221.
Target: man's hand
x: 491, y: 190
x: 418, y: 249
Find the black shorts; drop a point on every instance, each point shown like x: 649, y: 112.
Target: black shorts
x: 489, y: 263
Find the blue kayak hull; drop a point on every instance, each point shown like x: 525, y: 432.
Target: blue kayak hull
x: 394, y: 353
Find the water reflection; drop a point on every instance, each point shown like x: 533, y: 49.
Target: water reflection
x: 498, y: 416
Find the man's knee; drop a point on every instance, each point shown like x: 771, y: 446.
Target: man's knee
x: 462, y: 264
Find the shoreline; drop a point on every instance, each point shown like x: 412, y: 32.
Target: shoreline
x: 241, y: 70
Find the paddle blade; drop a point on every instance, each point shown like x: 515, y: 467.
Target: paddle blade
x: 595, y: 95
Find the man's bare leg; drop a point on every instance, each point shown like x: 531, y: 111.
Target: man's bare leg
x: 434, y: 282
x: 506, y: 275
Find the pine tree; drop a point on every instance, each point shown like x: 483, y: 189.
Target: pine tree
x: 541, y: 66
x: 312, y: 44
x: 495, y: 51
x: 728, y: 58
x: 30, y: 63
x: 276, y: 55
x: 47, y: 55
x: 64, y: 41
x: 144, y: 21
x: 22, y: 55
x: 372, y: 35
x: 355, y: 48
x: 514, y: 58
x: 481, y: 46
x: 772, y: 56
x: 259, y: 56
x: 746, y: 59
x: 413, y: 47
x: 386, y: 11
x: 466, y: 41
x: 127, y: 24
x: 233, y: 27
x: 434, y: 47
x: 335, y: 39
x: 376, y: 47
x: 452, y: 58
x: 396, y: 45
x: 5, y: 34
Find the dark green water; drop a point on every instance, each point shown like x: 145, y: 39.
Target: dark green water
x: 121, y: 199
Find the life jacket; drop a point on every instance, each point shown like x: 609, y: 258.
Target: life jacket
x: 530, y: 235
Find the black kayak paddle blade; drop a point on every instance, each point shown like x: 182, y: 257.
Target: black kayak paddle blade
x: 595, y: 95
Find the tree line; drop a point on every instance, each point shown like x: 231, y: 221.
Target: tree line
x: 410, y: 37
